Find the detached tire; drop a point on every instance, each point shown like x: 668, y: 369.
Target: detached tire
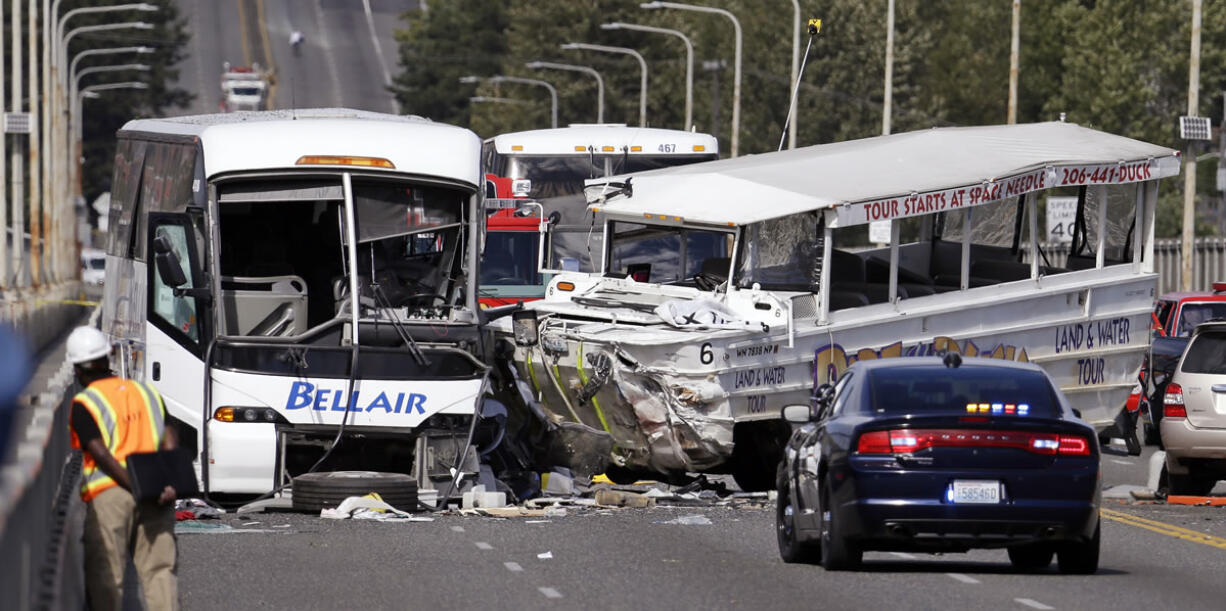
x: 316, y: 491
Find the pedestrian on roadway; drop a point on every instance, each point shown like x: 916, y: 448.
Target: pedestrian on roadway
x: 111, y: 419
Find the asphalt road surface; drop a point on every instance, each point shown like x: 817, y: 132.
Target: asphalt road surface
x: 348, y: 57
x: 1154, y: 556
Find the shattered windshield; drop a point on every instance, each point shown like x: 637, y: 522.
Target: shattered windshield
x: 284, y: 255
x: 780, y: 253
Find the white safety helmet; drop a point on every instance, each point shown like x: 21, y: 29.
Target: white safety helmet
x: 86, y: 344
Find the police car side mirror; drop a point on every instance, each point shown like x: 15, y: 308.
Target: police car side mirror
x: 797, y: 414
x: 168, y: 266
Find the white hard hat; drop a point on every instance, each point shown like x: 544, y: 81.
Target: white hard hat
x: 86, y: 344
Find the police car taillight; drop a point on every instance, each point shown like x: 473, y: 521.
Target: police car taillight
x: 906, y: 441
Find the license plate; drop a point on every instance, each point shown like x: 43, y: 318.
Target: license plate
x: 976, y: 492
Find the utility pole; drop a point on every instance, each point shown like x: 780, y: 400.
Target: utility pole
x: 4, y: 208
x: 36, y: 194
x: 1014, y: 52
x: 17, y: 161
x: 889, y: 70
x: 1189, y: 158
x: 714, y: 66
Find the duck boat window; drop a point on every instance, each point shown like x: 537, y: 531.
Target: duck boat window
x: 664, y: 254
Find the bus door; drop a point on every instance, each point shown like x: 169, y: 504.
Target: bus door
x: 179, y: 313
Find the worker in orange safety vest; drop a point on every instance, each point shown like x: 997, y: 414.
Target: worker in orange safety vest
x: 110, y: 420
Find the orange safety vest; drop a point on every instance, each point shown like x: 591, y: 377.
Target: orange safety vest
x: 131, y: 417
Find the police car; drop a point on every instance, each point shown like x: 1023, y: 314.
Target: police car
x: 940, y: 455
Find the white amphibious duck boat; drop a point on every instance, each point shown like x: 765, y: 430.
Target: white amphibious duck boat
x: 732, y: 288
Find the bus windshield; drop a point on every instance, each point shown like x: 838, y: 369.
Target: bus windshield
x: 284, y: 248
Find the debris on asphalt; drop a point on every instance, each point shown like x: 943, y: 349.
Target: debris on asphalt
x: 691, y: 520
x: 195, y: 509
x: 1200, y: 501
x: 369, y: 507
x: 608, y: 497
x: 545, y: 556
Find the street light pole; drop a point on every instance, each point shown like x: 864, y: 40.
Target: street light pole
x: 553, y: 92
x: 736, y: 76
x: 689, y: 61
x: 57, y: 105
x: 580, y: 46
x: 75, y: 123
x: 575, y: 68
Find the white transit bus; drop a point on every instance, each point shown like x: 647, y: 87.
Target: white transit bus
x: 550, y: 166
x: 688, y: 370
x: 289, y: 280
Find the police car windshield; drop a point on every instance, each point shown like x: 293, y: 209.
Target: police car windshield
x: 994, y: 391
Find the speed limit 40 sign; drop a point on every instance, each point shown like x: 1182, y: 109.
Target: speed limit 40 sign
x: 1061, y: 211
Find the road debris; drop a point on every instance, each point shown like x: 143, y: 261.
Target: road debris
x: 545, y: 556
x: 369, y: 507
x: 691, y: 520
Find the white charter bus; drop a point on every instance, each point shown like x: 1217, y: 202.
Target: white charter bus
x: 549, y: 166
x: 291, y: 279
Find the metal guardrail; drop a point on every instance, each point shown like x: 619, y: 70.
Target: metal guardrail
x: 38, y: 481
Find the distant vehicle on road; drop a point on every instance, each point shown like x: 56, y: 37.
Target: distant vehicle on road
x: 93, y: 266
x: 548, y: 167
x: 1193, y: 422
x: 243, y: 88
x: 940, y: 455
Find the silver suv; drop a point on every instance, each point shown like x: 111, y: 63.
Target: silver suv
x: 1193, y: 420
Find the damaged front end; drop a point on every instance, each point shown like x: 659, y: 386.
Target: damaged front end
x: 633, y: 416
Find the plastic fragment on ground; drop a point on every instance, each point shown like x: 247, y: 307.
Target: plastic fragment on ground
x: 545, y: 556
x: 555, y: 512
x: 557, y: 482
x: 692, y: 520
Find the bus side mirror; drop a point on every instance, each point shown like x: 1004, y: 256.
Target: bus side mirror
x: 168, y: 266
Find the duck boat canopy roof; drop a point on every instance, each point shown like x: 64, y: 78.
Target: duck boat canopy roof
x: 884, y: 178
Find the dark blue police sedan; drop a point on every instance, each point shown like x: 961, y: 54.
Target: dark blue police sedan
x: 940, y: 455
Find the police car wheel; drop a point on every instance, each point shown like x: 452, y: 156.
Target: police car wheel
x: 316, y: 491
x: 1080, y: 558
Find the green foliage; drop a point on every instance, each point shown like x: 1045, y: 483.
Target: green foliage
x: 453, y: 39
x: 1116, y: 65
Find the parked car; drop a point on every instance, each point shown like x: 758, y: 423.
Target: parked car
x: 940, y: 455
x: 1193, y: 422
x: 1175, y: 315
x: 93, y: 266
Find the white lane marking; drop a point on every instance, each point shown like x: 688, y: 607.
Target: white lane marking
x: 458, y: 529
x: 1033, y: 604
x: 550, y: 593
x: 513, y: 566
x: 329, y: 57
x: 963, y: 578
x: 1120, y: 462
x: 374, y: 40
x: 483, y: 545
x: 903, y: 555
